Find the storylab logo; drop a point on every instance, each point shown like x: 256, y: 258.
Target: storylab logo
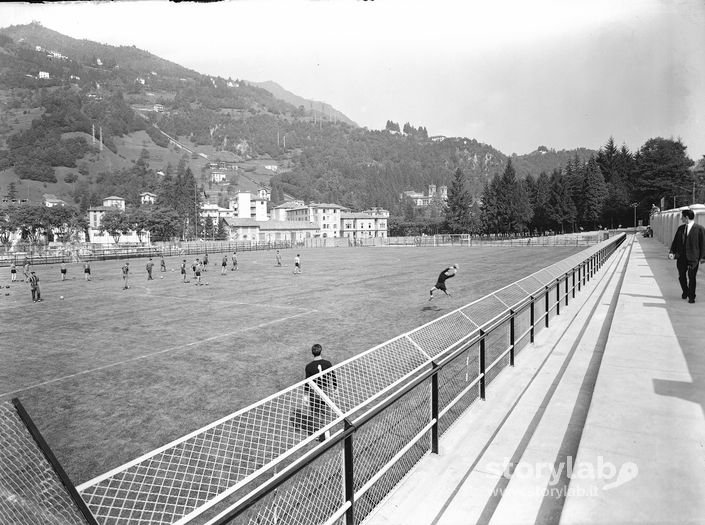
x: 607, y: 473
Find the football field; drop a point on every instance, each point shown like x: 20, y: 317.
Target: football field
x: 109, y: 374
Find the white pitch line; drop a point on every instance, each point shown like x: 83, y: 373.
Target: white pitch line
x: 166, y: 350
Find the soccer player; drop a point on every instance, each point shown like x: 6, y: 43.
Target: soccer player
x: 327, y: 382
x: 13, y: 272
x: 205, y: 262
x: 63, y: 270
x: 34, y: 287
x: 87, y: 271
x: 224, y: 265
x: 193, y: 266
x: 125, y: 275
x: 441, y: 281
x: 183, y: 270
x: 149, y: 267
x: 297, y: 264
x: 234, y: 261
x: 25, y: 270
x: 279, y: 258
x: 162, y: 264
x: 199, y: 269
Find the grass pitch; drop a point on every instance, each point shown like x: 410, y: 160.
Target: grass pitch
x: 110, y: 374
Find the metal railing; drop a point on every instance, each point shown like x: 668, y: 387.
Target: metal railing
x: 432, y: 396
x: 263, y: 464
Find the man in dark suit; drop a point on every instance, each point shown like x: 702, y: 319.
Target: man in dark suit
x: 688, y: 248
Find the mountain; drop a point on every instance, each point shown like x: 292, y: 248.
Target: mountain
x: 321, y: 109
x: 60, y: 96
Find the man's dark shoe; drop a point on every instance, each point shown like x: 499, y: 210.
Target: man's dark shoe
x: 691, y: 301
x: 684, y: 295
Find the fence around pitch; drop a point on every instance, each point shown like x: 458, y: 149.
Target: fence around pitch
x: 40, y: 254
x: 264, y: 464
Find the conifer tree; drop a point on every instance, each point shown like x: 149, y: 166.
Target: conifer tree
x: 459, y: 201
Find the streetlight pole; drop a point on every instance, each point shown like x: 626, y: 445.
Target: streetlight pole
x: 634, y: 205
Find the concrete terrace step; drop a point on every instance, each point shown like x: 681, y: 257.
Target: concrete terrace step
x: 646, y: 417
x: 529, y: 416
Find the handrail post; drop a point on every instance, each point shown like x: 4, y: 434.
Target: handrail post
x: 482, y: 365
x: 349, y: 479
x: 574, y: 282
x: 532, y: 318
x: 434, y: 409
x: 547, y: 307
x: 558, y: 296
x: 511, y: 338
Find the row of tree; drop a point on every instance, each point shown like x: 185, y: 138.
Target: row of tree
x: 604, y: 191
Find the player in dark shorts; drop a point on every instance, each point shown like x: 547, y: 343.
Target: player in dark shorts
x: 183, y: 270
x: 224, y: 265
x: 442, y: 278
x: 319, y: 411
x: 87, y: 271
x: 63, y: 270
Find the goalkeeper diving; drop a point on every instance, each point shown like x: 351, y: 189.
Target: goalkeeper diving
x: 441, y: 281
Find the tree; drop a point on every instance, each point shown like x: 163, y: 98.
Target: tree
x: 115, y: 223
x: 12, y: 191
x: 459, y: 201
x: 561, y: 208
x: 137, y: 219
x: 594, y: 193
x: 163, y: 224
x: 513, y: 206
x: 29, y: 219
x: 662, y: 171
x: 542, y: 196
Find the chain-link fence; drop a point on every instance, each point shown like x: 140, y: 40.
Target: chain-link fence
x: 328, y: 450
x: 33, y: 490
x: 81, y: 252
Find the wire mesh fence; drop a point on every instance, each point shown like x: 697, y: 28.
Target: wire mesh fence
x: 328, y: 450
x: 31, y: 491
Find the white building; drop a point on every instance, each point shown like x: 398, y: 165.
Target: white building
x: 95, y: 217
x: 325, y: 216
x: 424, y: 200
x: 52, y: 200
x: 43, y: 74
x: 114, y: 202
x: 148, y: 198
x: 369, y: 223
x: 247, y: 206
x: 241, y: 229
x: 218, y: 176
x: 279, y: 212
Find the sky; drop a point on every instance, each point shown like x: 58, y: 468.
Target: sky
x: 515, y: 74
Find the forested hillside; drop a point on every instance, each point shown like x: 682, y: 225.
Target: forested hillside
x: 59, y: 96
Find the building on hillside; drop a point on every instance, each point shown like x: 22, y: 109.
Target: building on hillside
x: 278, y: 213
x: 246, y: 229
x: 325, y: 216
x: 51, y: 201
x: 248, y: 206
x: 95, y: 218
x: 368, y: 223
x: 218, y: 176
x: 215, y: 212
x: 424, y: 200
x: 114, y: 202
x: 148, y: 198
x: 43, y: 74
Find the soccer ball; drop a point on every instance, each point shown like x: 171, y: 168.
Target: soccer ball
x: 162, y: 277
x: 61, y: 297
